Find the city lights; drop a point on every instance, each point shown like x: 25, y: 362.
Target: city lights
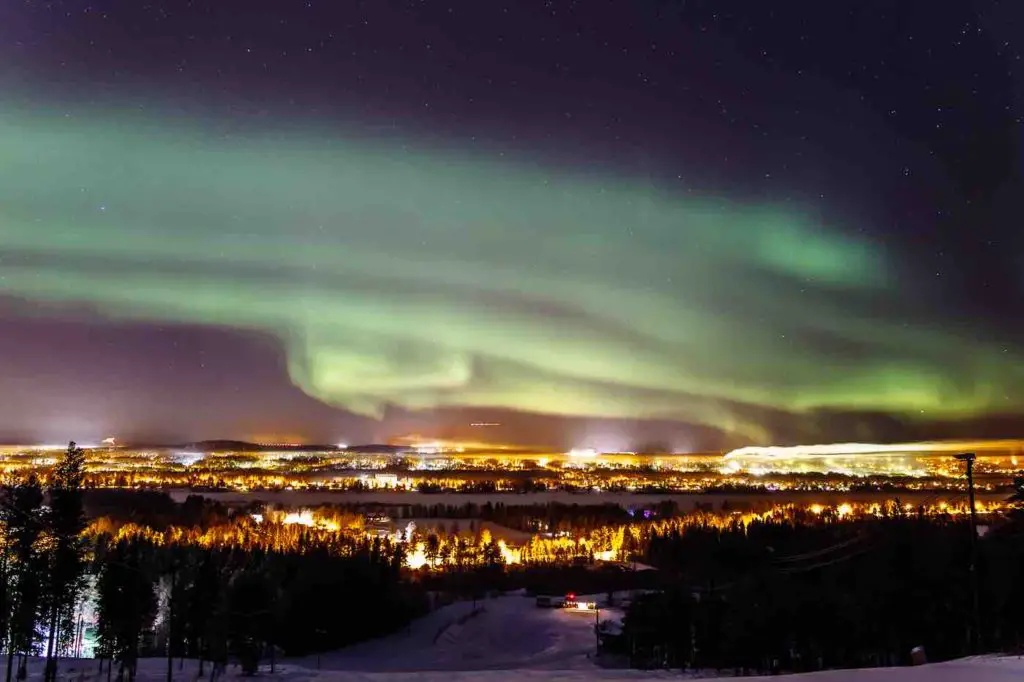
x: 435, y: 466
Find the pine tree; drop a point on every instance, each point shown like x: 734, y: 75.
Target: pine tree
x: 22, y: 515
x: 65, y: 522
x: 126, y: 601
x: 177, y: 571
x: 204, y: 594
x: 250, y: 604
x: 1017, y: 499
x: 107, y: 599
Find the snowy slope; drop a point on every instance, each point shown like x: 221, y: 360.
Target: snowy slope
x: 507, y: 632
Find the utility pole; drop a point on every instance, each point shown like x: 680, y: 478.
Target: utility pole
x: 968, y: 458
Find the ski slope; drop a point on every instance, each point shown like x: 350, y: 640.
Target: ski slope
x: 507, y: 632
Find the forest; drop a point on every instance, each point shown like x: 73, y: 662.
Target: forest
x: 774, y: 596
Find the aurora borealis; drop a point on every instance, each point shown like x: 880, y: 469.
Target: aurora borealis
x: 425, y: 275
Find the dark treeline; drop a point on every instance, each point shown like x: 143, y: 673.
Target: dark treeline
x: 795, y: 596
x: 157, y: 509
x: 545, y: 517
x: 549, y: 517
x: 153, y: 508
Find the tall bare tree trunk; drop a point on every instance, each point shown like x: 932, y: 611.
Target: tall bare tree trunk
x: 10, y: 658
x: 49, y: 671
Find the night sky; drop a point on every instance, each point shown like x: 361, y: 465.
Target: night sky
x: 618, y: 224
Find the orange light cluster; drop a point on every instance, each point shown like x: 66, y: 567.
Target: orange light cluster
x: 299, y: 531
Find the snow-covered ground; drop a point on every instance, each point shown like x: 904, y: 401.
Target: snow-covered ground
x: 984, y: 669
x: 967, y: 670
x: 508, y: 638
x: 979, y: 670
x: 508, y: 632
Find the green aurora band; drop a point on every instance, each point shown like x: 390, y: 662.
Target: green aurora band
x: 423, y: 278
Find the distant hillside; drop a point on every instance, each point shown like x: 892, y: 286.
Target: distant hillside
x: 211, y: 445
x: 377, y: 448
x: 240, y: 445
